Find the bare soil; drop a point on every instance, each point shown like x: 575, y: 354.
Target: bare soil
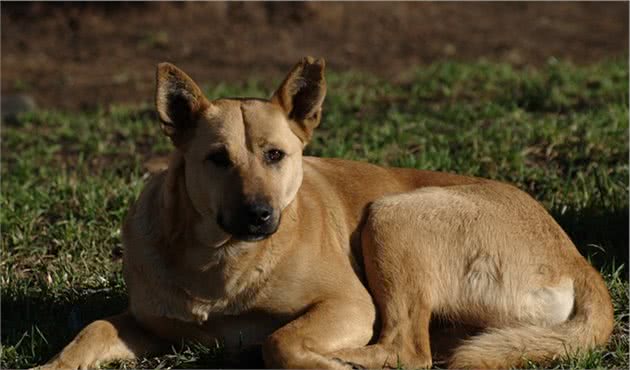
x: 88, y: 55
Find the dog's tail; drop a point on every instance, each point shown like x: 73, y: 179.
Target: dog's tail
x: 590, y: 325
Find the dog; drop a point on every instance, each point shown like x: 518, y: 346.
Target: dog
x: 331, y: 263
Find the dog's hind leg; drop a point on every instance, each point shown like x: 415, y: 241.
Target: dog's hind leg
x: 117, y: 337
x: 400, y: 277
x: 400, y: 286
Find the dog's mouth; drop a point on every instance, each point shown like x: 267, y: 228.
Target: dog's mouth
x: 250, y: 237
x: 248, y: 234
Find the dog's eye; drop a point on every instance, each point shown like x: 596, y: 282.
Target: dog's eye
x: 220, y: 158
x: 274, y: 155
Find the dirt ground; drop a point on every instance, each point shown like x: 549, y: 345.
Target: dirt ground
x: 84, y: 55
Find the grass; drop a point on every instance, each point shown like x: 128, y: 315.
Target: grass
x: 559, y: 132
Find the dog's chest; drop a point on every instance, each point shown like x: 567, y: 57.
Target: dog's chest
x: 223, y: 292
x: 224, y: 289
x: 231, y: 282
x: 191, y: 292
x: 206, y: 285
x: 243, y: 283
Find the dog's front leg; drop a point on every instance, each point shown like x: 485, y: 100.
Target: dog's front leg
x: 327, y: 327
x: 117, y: 337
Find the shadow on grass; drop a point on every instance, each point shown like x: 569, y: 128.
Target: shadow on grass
x: 39, y: 324
x: 600, y: 234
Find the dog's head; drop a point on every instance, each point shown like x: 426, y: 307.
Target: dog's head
x: 243, y: 157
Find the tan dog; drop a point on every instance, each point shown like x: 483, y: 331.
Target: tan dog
x: 332, y: 263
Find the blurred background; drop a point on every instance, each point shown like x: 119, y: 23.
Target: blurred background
x: 87, y: 55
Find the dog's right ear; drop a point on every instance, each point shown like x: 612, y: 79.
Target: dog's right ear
x: 179, y: 101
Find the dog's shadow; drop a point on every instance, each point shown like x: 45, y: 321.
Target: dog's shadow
x: 600, y: 234
x: 38, y: 324
x: 43, y: 324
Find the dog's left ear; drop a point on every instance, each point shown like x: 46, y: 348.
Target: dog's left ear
x: 301, y: 96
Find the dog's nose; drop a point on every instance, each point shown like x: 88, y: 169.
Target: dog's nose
x: 258, y: 214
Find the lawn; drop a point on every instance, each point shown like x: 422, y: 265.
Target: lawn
x: 559, y: 132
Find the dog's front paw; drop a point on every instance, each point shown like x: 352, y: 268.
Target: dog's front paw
x: 55, y: 365
x: 59, y: 364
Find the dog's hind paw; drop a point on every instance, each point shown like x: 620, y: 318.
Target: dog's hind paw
x: 351, y: 364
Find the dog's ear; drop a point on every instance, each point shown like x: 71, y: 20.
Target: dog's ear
x: 179, y: 101
x: 301, y: 96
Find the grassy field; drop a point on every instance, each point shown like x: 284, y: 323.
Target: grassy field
x: 559, y: 132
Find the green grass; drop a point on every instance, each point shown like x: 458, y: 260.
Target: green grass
x: 559, y: 132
